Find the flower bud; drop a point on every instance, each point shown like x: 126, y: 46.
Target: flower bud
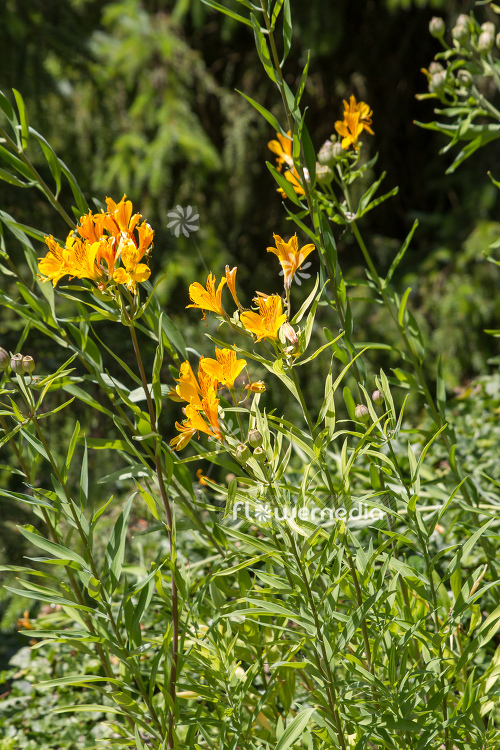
x: 324, y: 174
x: 4, y: 360
x: 489, y: 27
x: 437, y: 27
x: 464, y: 78
x: 260, y: 455
x: 437, y: 83
x: 16, y: 363
x: 463, y: 20
x: 377, y: 397
x: 361, y: 412
x: 257, y: 387
x: 485, y: 42
x: 325, y: 154
x: 337, y: 151
x: 28, y: 364
x: 435, y: 67
x: 289, y: 333
x: 461, y: 33
x: 255, y: 438
x: 242, y: 453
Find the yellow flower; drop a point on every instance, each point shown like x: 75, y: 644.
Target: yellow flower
x: 189, y: 389
x: 106, y: 236
x: 120, y: 217
x: 194, y: 423
x: 82, y: 259
x: 201, y: 478
x: 293, y: 178
x: 207, y: 299
x: 225, y: 368
x: 357, y: 117
x: 231, y: 285
x: 130, y: 255
x: 283, y: 150
x: 290, y: 257
x: 53, y: 266
x: 267, y: 322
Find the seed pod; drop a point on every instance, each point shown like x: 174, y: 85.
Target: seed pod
x: 435, y: 67
x: 437, y: 27
x: 437, y: 83
x: 242, y: 453
x: 4, y: 360
x: 461, y: 33
x: 28, y: 364
x: 260, y: 455
x: 255, y: 438
x: 338, y: 151
x: 377, y: 397
x: 16, y: 363
x: 361, y: 413
x: 489, y: 27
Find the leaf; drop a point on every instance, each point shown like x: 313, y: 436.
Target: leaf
x: 23, y: 115
x: 294, y: 729
x: 227, y: 12
x: 59, y: 551
x: 399, y: 257
x: 287, y: 30
x: 284, y: 184
x: 262, y: 48
x: 273, y: 122
x: 115, y: 549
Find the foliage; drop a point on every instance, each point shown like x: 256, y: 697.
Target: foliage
x: 330, y: 581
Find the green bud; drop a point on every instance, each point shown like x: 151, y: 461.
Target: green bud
x: 461, y: 33
x: 437, y: 27
x: 361, y: 412
x: 242, y: 453
x: 435, y: 67
x: 489, y: 27
x: 485, y: 42
x: 463, y: 20
x: 28, y: 364
x: 377, y: 397
x: 338, y: 151
x: 255, y: 438
x: 437, y: 83
x: 16, y: 363
x: 464, y: 78
x: 4, y: 360
x: 325, y: 154
x: 260, y: 455
x: 324, y: 174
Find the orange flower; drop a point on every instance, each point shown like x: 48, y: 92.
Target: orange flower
x: 192, y: 391
x: 357, y: 117
x: 290, y: 257
x: 208, y: 299
x: 53, y: 266
x: 283, y: 150
x: 82, y: 259
x: 267, y: 322
x: 201, y: 478
x: 120, y: 216
x: 225, y: 368
x: 194, y: 423
x: 231, y: 285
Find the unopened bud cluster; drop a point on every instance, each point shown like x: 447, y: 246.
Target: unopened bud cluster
x: 243, y: 452
x: 18, y: 363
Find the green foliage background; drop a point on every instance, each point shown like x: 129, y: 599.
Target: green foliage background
x: 140, y: 97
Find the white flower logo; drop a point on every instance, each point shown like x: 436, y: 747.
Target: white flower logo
x: 263, y: 513
x: 185, y: 220
x: 293, y: 268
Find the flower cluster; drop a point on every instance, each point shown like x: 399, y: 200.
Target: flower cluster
x: 357, y: 117
x: 200, y: 393
x: 106, y: 247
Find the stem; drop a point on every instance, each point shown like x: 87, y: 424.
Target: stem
x: 168, y: 515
